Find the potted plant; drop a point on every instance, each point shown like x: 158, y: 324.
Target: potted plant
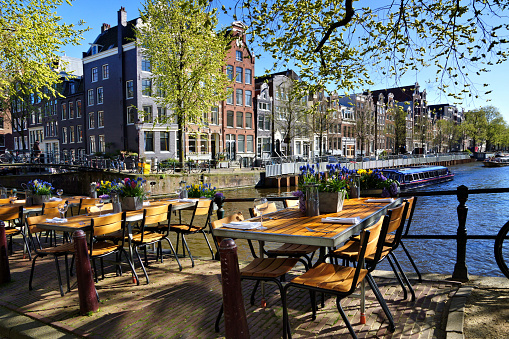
x: 103, y: 187
x: 40, y: 190
x: 201, y: 190
x: 131, y: 193
x: 374, y: 183
x: 331, y: 186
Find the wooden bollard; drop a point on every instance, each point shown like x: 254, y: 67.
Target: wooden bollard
x: 86, y: 288
x: 235, y: 321
x: 5, y: 272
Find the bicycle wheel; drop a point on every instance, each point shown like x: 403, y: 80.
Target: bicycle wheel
x: 502, y: 249
x: 5, y: 158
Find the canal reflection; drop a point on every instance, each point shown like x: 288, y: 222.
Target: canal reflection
x: 433, y: 215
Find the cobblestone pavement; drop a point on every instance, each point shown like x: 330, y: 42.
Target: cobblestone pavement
x: 185, y: 304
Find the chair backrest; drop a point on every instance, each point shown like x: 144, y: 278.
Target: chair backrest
x: 5, y: 201
x: 218, y: 223
x: 14, y: 213
x: 368, y: 241
x: 32, y: 223
x: 397, y: 217
x: 372, y: 241
x: 86, y: 202
x: 202, y: 207
x: 160, y: 214
x: 94, y: 209
x: 105, y: 225
x: 50, y: 208
x: 410, y: 212
x: 271, y: 207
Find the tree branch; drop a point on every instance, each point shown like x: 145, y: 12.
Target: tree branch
x: 349, y: 12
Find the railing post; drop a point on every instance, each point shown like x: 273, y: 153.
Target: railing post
x: 5, y: 272
x: 235, y: 321
x: 86, y: 288
x: 460, y: 269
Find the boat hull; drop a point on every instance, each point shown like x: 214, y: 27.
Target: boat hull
x: 495, y: 164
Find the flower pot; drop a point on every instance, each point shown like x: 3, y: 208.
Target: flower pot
x: 40, y: 199
x: 331, y: 202
x: 131, y: 203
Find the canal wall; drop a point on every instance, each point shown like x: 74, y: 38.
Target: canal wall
x: 78, y: 183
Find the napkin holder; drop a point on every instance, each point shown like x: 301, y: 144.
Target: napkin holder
x: 115, y: 202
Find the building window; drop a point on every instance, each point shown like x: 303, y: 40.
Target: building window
x: 64, y: 111
x: 64, y: 135
x: 72, y: 134
x: 129, y: 89
x: 147, y: 115
x: 267, y: 123
x: 240, y: 119
x: 260, y: 121
x: 100, y: 95
x: 238, y: 75
x: 229, y: 98
x: 249, y: 120
x: 71, y: 110
x: 78, y: 109
x: 249, y: 143
x: 95, y: 74
x: 240, y: 143
x: 248, y: 77
x: 100, y: 119
x: 91, y: 144
x: 146, y: 87
x: 2, y: 122
x: 91, y: 120
x: 229, y: 119
x: 149, y: 141
x: 248, y: 98
x: 145, y: 65
x: 214, y: 116
x: 205, y: 118
x: 131, y: 115
x: 106, y: 72
x: 80, y: 133
x: 90, y: 97
x: 238, y: 97
x: 238, y: 55
x: 2, y: 140
x: 192, y: 144
x: 164, y: 141
x: 161, y: 114
x: 229, y: 72
x: 102, y: 144
x: 204, y: 144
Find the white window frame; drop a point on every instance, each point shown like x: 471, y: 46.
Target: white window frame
x: 95, y: 74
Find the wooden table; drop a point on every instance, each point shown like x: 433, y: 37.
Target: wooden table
x: 291, y: 226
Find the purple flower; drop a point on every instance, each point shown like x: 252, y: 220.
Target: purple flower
x: 104, y: 196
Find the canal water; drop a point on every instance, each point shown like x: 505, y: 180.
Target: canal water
x: 433, y: 215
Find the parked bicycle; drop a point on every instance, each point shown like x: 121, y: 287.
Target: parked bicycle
x: 14, y: 157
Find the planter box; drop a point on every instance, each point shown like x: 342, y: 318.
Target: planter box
x: 40, y: 199
x: 131, y: 203
x: 331, y: 202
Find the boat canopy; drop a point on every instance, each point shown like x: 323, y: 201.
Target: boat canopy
x: 413, y: 170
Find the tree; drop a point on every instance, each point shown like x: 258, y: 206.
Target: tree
x: 364, y: 120
x: 421, y: 129
x: 495, y: 125
x: 399, y: 127
x: 187, y: 57
x: 475, y: 126
x: 321, y: 117
x: 32, y: 37
x: 350, y: 46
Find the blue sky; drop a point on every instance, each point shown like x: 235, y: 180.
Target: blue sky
x: 96, y: 12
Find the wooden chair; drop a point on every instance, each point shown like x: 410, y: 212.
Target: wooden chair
x: 289, y: 203
x: 50, y: 210
x: 409, y: 215
x: 287, y: 250
x: 57, y: 251
x: 160, y: 215
x: 107, y: 208
x: 260, y: 269
x: 203, y: 207
x: 85, y: 203
x: 5, y: 201
x: 13, y: 218
x: 218, y: 223
x: 349, y: 251
x: 110, y: 224
x: 341, y: 281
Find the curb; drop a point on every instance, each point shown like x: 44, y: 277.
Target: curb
x: 456, y: 317
x: 17, y: 326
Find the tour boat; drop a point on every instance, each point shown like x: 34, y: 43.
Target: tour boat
x: 496, y: 161
x: 417, y: 176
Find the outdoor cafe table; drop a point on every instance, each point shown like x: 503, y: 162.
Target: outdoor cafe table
x: 292, y: 226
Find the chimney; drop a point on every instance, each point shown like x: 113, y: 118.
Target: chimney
x: 105, y: 27
x: 122, y: 17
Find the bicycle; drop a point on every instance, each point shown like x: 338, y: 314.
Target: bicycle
x: 502, y: 249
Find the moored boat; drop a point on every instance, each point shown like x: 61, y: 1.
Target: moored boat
x: 417, y: 176
x: 496, y: 161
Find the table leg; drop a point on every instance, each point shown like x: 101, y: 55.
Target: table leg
x: 129, y: 243
x: 363, y: 302
x: 261, y: 244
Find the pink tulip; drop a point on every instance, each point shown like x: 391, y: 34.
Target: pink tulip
x: 133, y: 184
